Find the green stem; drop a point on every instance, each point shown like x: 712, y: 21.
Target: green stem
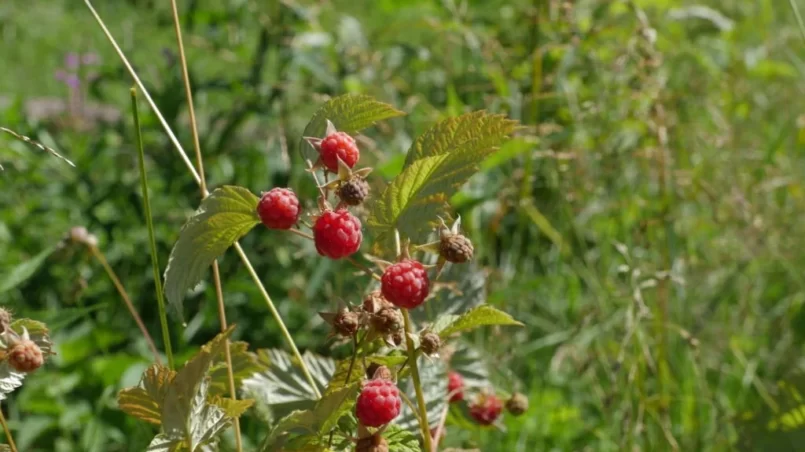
x: 163, y: 317
x: 420, y: 397
x: 8, y: 432
x: 285, y: 333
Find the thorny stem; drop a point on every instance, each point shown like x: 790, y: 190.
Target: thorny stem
x: 197, y: 178
x: 216, y: 275
x: 163, y: 317
x: 8, y: 432
x: 420, y: 397
x: 122, y: 291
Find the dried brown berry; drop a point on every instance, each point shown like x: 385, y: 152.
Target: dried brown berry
x: 429, y: 342
x: 382, y: 373
x: 374, y: 443
x: 354, y: 191
x: 397, y: 338
x: 455, y: 248
x: 388, y: 320
x: 346, y: 323
x: 25, y: 356
x: 517, y: 404
x: 374, y: 302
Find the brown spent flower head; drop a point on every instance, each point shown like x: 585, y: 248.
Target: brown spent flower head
x: 382, y: 373
x: 354, y: 191
x: 25, y: 356
x: 374, y: 302
x: 388, y: 320
x: 346, y: 323
x: 517, y: 404
x: 374, y: 443
x: 429, y: 342
x: 455, y: 248
x: 397, y: 338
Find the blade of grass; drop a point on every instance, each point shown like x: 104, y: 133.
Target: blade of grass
x: 163, y: 317
x: 216, y: 274
x: 800, y: 23
x: 189, y: 165
x: 122, y: 291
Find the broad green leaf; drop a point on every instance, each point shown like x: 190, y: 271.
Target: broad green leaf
x: 222, y: 219
x: 433, y: 374
x: 23, y: 271
x: 145, y: 401
x: 314, y: 423
x: 349, y: 113
x: 178, y: 405
x: 166, y: 443
x: 401, y: 440
x: 477, y: 130
x: 244, y: 365
x: 282, y: 383
x: 10, y: 379
x: 460, y: 288
x: 480, y: 316
x: 232, y: 408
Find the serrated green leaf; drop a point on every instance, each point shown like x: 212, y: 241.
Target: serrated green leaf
x: 244, y: 365
x: 145, y: 401
x: 222, y: 219
x: 177, y: 408
x: 433, y: 375
x: 283, y: 384
x: 166, y: 443
x: 460, y: 288
x: 313, y: 423
x: 23, y: 271
x: 476, y: 130
x: 349, y: 113
x: 483, y: 315
x: 232, y: 408
x: 401, y: 440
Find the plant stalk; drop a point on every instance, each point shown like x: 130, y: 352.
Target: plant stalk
x: 420, y: 397
x: 8, y: 432
x: 122, y: 291
x: 163, y: 317
x: 216, y: 275
x: 197, y: 178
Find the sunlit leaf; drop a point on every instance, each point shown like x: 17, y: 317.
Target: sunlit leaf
x: 483, y: 315
x: 244, y: 365
x: 223, y: 217
x: 145, y: 401
x: 283, y: 383
x: 401, y: 440
x: 349, y: 113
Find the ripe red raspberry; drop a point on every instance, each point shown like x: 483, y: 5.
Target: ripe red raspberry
x: 405, y: 284
x: 486, y: 409
x: 378, y: 404
x: 338, y: 145
x: 279, y: 208
x: 337, y: 234
x: 455, y: 386
x: 25, y: 356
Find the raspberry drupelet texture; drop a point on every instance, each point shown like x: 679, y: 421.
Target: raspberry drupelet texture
x: 337, y: 234
x: 486, y: 409
x: 378, y: 403
x: 405, y: 284
x: 456, y: 248
x: 354, y: 191
x: 339, y: 146
x: 25, y: 356
x: 455, y: 386
x: 279, y: 208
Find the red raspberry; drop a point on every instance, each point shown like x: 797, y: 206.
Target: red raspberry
x: 338, y: 145
x: 405, y: 284
x: 378, y: 404
x: 337, y: 234
x: 486, y: 409
x: 455, y: 386
x: 279, y: 208
x: 25, y: 356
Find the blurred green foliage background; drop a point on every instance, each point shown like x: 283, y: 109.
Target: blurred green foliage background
x: 645, y: 224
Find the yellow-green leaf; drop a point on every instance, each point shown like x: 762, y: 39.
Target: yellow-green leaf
x: 232, y: 408
x: 481, y: 316
x: 223, y: 218
x: 244, y: 365
x: 349, y: 113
